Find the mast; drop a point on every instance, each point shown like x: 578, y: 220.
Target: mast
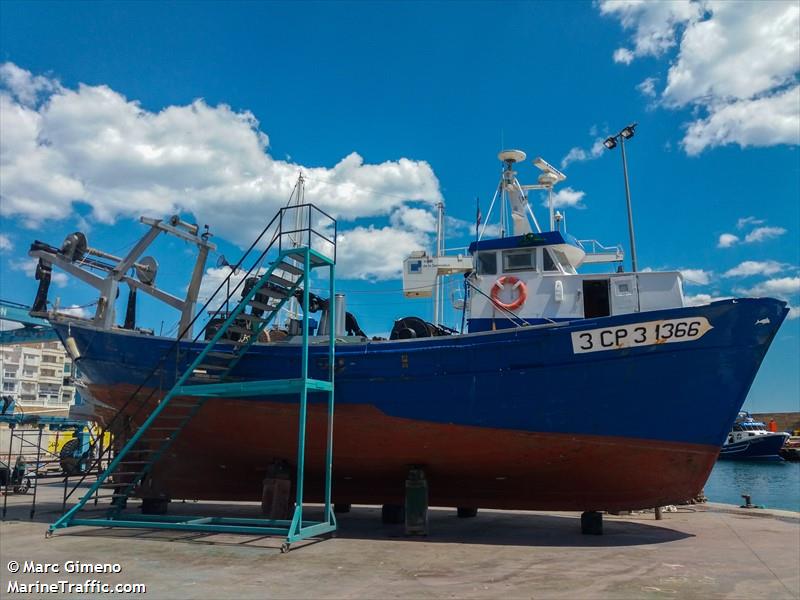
x: 510, y: 191
x: 514, y: 195
x: 437, y: 295
x: 294, y: 305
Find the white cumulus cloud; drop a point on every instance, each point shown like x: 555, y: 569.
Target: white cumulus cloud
x: 376, y: 253
x: 91, y: 144
x: 26, y: 87
x: 759, y: 122
x: 623, y: 55
x: 76, y: 311
x: 701, y: 299
x: 653, y: 24
x: 5, y: 242
x: 743, y: 222
x: 697, y: 276
x: 566, y: 198
x: 781, y: 287
x: 578, y: 154
x: 736, y: 66
x: 760, y: 234
x: 749, y: 268
x: 28, y: 266
x: 736, y: 50
x: 419, y: 219
x: 648, y: 87
x: 726, y: 240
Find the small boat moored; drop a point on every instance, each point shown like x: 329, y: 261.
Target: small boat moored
x: 751, y: 440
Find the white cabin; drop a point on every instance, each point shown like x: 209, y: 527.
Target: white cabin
x: 545, y: 265
x: 532, y: 275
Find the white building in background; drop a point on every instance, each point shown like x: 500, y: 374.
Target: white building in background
x: 37, y: 376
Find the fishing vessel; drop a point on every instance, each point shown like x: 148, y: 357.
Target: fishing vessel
x: 559, y: 393
x: 751, y: 440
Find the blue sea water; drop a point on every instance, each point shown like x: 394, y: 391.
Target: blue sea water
x: 771, y: 484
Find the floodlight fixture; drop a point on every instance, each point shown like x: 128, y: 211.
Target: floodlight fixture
x: 610, y: 143
x: 627, y: 132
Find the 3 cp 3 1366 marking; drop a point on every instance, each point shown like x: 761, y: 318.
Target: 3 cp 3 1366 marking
x: 640, y: 334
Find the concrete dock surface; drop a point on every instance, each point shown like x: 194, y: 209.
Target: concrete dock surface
x: 701, y: 551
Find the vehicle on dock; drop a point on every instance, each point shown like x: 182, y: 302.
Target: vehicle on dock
x: 16, y: 478
x: 553, y: 396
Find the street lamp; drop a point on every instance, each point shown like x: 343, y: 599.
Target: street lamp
x: 611, y: 142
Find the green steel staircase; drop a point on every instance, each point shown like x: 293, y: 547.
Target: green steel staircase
x: 211, y: 374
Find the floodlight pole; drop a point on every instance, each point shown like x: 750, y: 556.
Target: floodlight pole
x: 611, y: 143
x: 628, y: 199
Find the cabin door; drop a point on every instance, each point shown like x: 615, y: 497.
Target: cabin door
x: 595, y: 298
x: 623, y: 295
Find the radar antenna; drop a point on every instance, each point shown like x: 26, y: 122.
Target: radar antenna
x: 549, y: 177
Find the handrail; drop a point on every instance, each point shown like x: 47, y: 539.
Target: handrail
x: 308, y: 228
x: 14, y: 304
x: 176, y: 344
x: 595, y: 244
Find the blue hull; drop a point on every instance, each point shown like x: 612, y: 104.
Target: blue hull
x: 760, y: 447
x: 526, y: 379
x: 515, y: 419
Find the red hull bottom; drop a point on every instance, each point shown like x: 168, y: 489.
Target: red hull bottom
x: 224, y: 452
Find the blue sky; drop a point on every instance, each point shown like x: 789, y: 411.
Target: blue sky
x: 120, y: 109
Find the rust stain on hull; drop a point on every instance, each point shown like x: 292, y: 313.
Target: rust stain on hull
x: 224, y: 452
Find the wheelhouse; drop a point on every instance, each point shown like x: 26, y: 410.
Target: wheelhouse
x: 544, y: 267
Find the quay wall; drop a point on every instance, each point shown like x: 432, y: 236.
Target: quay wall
x: 786, y: 421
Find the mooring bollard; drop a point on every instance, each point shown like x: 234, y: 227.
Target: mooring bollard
x: 748, y: 503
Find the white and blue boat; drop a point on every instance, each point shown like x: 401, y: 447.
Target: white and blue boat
x: 561, y: 392
x: 751, y: 440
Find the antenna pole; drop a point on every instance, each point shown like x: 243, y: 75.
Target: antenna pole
x: 550, y: 204
x: 503, y: 202
x: 437, y: 296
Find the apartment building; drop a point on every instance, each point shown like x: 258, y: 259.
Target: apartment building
x: 37, y: 376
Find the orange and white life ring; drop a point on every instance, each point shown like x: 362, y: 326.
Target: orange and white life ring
x: 516, y: 284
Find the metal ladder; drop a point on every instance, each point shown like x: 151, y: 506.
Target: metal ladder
x: 211, y: 375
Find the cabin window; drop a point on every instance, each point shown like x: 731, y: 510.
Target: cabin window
x: 548, y: 264
x: 519, y: 260
x: 487, y: 263
x: 562, y: 258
